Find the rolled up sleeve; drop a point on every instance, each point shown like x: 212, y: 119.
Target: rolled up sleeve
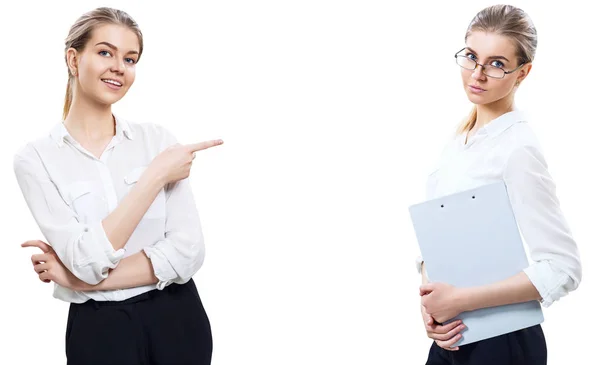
x: 556, y: 267
x: 84, y: 249
x: 178, y: 256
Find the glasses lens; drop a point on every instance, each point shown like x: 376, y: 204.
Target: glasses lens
x: 492, y: 71
x: 465, y: 62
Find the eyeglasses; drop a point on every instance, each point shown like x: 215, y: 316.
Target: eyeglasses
x: 488, y: 70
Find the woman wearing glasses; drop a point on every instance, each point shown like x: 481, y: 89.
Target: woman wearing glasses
x: 496, y: 143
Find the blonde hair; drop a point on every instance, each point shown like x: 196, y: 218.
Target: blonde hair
x: 509, y: 21
x: 81, y: 32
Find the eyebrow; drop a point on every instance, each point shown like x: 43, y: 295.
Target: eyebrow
x: 112, y: 46
x: 494, y: 57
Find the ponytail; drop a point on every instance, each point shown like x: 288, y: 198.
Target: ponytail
x: 469, y: 122
x: 68, y: 97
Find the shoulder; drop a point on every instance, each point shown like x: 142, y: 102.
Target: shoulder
x: 518, y: 137
x: 517, y: 130
x: 148, y: 128
x: 523, y: 151
x: 32, y: 152
x: 521, y: 135
x: 153, y: 133
x: 26, y: 154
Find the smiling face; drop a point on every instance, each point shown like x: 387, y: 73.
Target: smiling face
x: 105, y: 68
x: 497, y: 51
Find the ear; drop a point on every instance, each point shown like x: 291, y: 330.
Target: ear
x: 72, y: 60
x: 524, y: 71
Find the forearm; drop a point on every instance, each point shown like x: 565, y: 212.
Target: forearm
x: 516, y: 289
x: 120, y: 224
x: 133, y: 271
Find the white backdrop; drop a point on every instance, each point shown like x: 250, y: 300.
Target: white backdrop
x: 332, y: 113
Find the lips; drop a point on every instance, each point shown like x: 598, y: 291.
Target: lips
x: 113, y: 82
x: 477, y: 88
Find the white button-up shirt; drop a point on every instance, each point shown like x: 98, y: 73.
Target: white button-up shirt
x: 69, y: 192
x: 506, y: 149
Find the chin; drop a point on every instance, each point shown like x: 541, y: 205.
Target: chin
x: 109, y: 99
x: 476, y: 99
x: 105, y: 101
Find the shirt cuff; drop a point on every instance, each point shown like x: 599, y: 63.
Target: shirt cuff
x: 101, y: 255
x: 114, y: 256
x: 162, y: 268
x: 548, y: 282
x: 418, y: 263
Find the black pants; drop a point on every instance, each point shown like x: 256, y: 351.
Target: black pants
x: 523, y: 347
x: 160, y: 327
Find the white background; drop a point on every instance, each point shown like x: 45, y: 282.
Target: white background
x: 332, y: 113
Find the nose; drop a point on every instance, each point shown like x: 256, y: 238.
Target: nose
x: 118, y: 66
x: 478, y: 72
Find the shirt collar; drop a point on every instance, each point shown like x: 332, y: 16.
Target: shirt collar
x: 503, y: 122
x: 122, y: 128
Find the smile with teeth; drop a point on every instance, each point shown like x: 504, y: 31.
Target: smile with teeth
x: 113, y: 82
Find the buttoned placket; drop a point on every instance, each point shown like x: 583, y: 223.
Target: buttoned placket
x: 109, y: 197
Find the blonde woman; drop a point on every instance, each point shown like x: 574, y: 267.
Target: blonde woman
x: 114, y: 202
x: 497, y: 144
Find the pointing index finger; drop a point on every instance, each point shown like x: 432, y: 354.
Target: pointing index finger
x: 204, y: 145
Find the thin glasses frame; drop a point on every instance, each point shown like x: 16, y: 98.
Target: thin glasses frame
x: 456, y: 55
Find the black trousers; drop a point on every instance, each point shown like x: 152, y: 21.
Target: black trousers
x: 523, y: 347
x: 160, y: 327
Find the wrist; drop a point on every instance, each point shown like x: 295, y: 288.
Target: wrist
x: 81, y: 286
x: 465, y: 299
x: 154, y: 177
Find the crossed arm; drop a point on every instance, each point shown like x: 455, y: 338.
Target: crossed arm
x: 88, y: 257
x: 135, y: 270
x: 132, y: 271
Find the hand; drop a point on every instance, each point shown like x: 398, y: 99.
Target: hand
x: 174, y: 163
x: 442, y: 301
x: 444, y: 336
x: 49, y: 267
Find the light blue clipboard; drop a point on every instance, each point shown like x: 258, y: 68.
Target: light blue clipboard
x: 471, y: 238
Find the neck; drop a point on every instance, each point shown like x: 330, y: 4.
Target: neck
x: 89, y: 120
x: 488, y: 112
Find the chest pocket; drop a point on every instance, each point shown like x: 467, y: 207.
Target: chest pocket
x: 158, y: 207
x: 87, y: 201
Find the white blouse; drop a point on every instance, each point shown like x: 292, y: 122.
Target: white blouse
x: 69, y: 192
x: 506, y: 149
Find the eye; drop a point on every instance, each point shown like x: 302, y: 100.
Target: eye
x: 130, y: 60
x: 471, y: 56
x: 103, y: 53
x: 497, y: 64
